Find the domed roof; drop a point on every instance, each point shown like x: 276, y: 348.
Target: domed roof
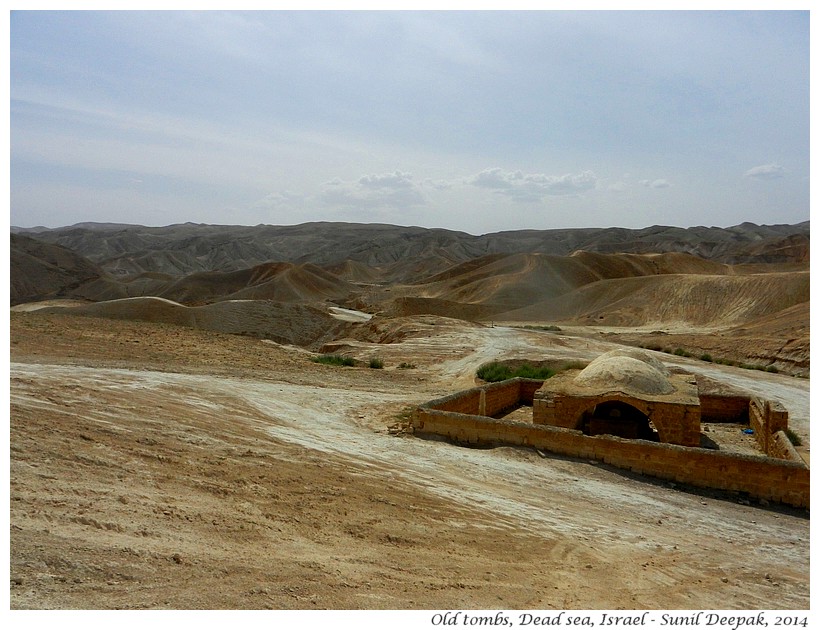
x: 629, y: 371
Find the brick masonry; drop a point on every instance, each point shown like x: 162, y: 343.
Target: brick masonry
x: 728, y: 408
x: 676, y: 415
x: 767, y: 417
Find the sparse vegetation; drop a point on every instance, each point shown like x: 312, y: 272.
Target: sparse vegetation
x: 550, y: 328
x: 793, y: 437
x: 334, y: 359
x: 681, y: 352
x: 494, y: 372
x: 727, y: 362
x: 376, y: 363
x: 407, y: 366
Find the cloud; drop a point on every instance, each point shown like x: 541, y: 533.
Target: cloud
x: 282, y: 200
x: 765, y: 171
x: 494, y: 178
x: 655, y: 183
x: 618, y: 186
x: 535, y: 186
x: 390, y: 190
x: 438, y: 184
x: 390, y: 181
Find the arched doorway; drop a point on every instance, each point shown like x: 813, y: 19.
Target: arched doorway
x: 615, y: 417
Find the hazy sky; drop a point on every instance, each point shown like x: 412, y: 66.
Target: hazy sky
x: 477, y: 121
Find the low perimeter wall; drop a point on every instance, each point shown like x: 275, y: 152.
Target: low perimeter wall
x: 724, y: 408
x: 781, y: 447
x: 490, y: 399
x: 767, y: 418
x: 761, y: 477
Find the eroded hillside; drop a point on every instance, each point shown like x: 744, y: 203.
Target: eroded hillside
x: 125, y: 250
x: 733, y: 311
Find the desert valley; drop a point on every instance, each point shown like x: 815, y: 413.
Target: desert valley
x: 213, y: 416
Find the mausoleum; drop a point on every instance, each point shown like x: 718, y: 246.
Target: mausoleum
x: 627, y: 393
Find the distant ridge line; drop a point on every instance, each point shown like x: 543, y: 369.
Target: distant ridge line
x: 180, y: 249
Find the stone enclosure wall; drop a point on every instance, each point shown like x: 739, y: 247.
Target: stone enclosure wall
x: 728, y: 408
x: 463, y: 417
x: 767, y: 417
x: 782, y: 448
x: 491, y: 399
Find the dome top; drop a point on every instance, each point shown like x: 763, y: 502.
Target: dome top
x: 628, y: 370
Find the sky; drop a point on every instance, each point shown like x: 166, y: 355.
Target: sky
x: 478, y: 121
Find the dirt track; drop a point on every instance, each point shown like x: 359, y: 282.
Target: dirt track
x: 161, y: 467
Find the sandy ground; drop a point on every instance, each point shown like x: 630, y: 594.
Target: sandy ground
x: 161, y: 467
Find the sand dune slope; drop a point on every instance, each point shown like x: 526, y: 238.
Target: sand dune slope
x: 284, y: 282
x: 699, y: 300
x: 505, y: 283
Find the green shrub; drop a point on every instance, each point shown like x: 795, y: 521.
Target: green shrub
x: 376, y: 363
x: 793, y: 437
x: 494, y: 372
x: 334, y: 359
x: 530, y: 371
x: 706, y: 357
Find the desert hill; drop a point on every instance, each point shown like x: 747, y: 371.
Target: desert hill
x: 696, y: 300
x: 620, y: 289
x: 42, y: 270
x: 284, y: 282
x: 506, y: 283
x: 185, y: 248
x: 292, y: 324
x: 440, y: 273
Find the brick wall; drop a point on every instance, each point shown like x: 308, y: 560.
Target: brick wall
x: 782, y: 448
x: 545, y: 410
x: 767, y: 417
x: 500, y: 396
x: 676, y: 423
x: 717, y: 408
x: 466, y: 401
x: 761, y: 477
x: 490, y: 399
x: 528, y: 388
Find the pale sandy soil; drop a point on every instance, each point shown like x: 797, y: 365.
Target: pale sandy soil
x: 161, y: 467
x: 349, y: 315
x: 36, y: 306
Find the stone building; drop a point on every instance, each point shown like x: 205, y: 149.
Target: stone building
x: 626, y: 393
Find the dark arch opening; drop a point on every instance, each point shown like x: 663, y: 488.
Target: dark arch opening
x: 618, y: 418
